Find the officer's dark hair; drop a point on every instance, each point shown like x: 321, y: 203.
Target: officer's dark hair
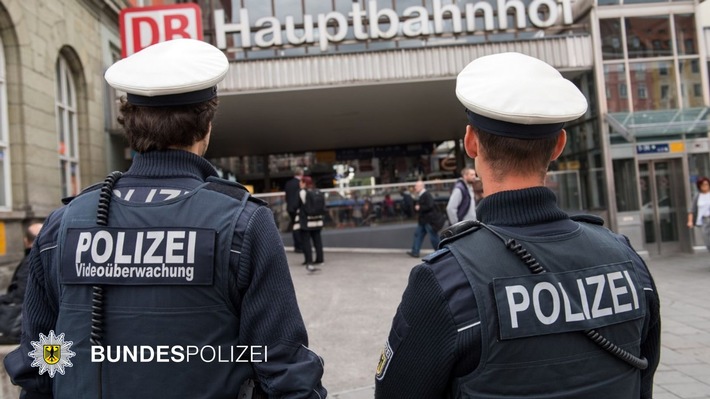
x: 158, y: 128
x: 507, y: 154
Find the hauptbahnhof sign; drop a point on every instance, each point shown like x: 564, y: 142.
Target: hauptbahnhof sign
x: 141, y: 27
x: 333, y: 27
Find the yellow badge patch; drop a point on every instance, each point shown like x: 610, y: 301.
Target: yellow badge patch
x: 385, y: 358
x: 52, y: 353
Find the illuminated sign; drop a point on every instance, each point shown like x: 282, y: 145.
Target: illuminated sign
x: 144, y: 26
x: 652, y: 148
x: 415, y: 21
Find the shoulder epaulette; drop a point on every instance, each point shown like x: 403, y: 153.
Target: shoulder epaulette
x: 431, y: 258
x: 92, y: 187
x: 459, y: 230
x: 232, y: 189
x: 591, y: 219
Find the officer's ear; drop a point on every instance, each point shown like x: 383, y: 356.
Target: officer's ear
x: 560, y: 145
x: 470, y: 142
x: 206, y: 139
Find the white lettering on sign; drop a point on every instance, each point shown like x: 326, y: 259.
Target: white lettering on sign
x: 333, y: 27
x: 603, y: 286
x: 145, y: 26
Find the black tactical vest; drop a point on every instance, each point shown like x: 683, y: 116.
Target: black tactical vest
x: 531, y: 324
x: 164, y: 270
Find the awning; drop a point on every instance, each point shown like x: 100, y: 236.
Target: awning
x: 645, y: 124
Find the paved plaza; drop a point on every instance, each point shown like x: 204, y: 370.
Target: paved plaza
x: 349, y: 305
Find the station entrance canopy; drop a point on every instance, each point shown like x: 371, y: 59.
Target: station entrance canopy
x: 352, y: 100
x: 657, y: 123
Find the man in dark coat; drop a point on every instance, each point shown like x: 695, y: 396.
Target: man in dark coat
x: 11, y: 302
x: 429, y: 220
x: 292, y: 189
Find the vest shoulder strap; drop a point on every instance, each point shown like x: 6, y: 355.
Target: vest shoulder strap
x: 91, y: 188
x: 591, y: 219
x: 232, y: 189
x: 459, y: 230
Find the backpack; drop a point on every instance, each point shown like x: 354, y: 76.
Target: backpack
x: 315, y: 203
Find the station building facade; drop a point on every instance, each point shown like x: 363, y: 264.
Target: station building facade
x: 372, y: 83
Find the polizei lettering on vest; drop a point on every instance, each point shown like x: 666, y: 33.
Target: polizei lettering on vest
x: 178, y: 247
x: 557, y: 302
x: 136, y: 256
x: 333, y: 27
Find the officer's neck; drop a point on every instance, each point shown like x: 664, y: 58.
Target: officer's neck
x: 512, y: 181
x: 198, y: 148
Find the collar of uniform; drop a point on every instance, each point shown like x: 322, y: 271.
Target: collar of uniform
x: 529, y: 206
x: 171, y: 163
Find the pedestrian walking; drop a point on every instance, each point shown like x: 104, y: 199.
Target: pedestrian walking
x: 430, y: 220
x: 309, y: 222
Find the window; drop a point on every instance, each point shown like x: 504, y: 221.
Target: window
x: 691, y: 94
x: 664, y: 92
x: 615, y: 77
x: 67, y: 129
x: 638, y: 71
x: 622, y: 90
x: 685, y: 34
x: 646, y: 85
x: 4, y: 150
x: 626, y: 194
x: 641, y: 89
x: 648, y: 36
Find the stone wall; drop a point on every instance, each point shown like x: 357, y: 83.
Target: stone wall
x: 34, y: 34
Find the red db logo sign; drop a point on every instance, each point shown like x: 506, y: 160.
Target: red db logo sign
x: 144, y: 26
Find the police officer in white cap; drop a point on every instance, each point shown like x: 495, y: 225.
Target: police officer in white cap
x: 527, y: 302
x: 165, y: 280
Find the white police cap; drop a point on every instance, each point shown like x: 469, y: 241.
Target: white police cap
x: 515, y: 95
x: 176, y: 72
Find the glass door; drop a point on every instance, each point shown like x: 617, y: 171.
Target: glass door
x: 663, y: 208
